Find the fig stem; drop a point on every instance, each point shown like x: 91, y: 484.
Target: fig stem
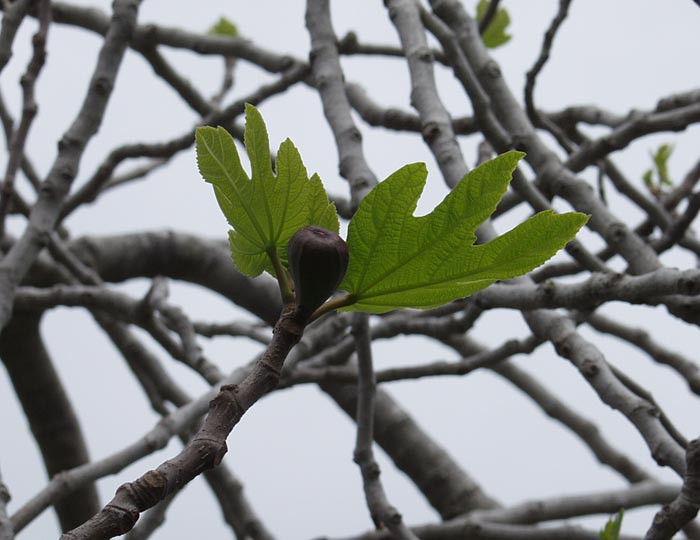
x: 282, y: 277
x: 338, y: 302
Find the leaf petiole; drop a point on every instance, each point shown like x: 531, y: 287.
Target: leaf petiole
x: 338, y: 302
x: 282, y: 276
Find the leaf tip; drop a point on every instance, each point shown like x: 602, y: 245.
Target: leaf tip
x: 418, y: 168
x: 202, y: 131
x: 253, y: 118
x: 581, y: 218
x: 252, y: 114
x: 288, y: 144
x: 516, y: 155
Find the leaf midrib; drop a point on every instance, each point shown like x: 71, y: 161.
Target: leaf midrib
x: 438, y: 282
x: 252, y: 217
x: 377, y: 237
x: 405, y: 261
x: 243, y: 234
x: 419, y: 287
x: 457, y: 222
x: 286, y: 205
x: 262, y: 182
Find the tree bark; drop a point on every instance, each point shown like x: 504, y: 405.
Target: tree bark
x: 46, y: 405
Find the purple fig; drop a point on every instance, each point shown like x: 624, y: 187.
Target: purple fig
x: 318, y: 259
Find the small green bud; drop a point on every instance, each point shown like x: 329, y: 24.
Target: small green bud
x: 318, y: 259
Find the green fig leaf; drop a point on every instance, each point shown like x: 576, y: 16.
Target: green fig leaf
x: 495, y: 34
x: 321, y: 211
x: 265, y: 209
x: 660, y: 158
x: 401, y: 261
x: 223, y: 27
x: 611, y: 531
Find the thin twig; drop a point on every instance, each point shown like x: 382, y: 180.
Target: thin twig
x: 234, y: 329
x: 151, y: 35
x: 640, y: 338
x: 6, y: 529
x: 226, y: 81
x: 580, y: 426
x: 592, y: 365
x: 495, y: 133
x: 383, y: 514
x: 491, y: 12
x: 636, y: 127
x: 206, y: 449
x: 570, y: 506
x: 19, y: 205
x: 29, y: 110
x: 159, y: 387
x: 437, y: 368
x: 165, y: 150
x: 350, y: 45
x: 553, y: 174
x: 394, y: 118
x: 676, y: 230
x: 656, y: 409
x: 465, y: 528
x: 137, y: 173
x: 11, y: 20
x: 537, y: 118
x: 45, y: 212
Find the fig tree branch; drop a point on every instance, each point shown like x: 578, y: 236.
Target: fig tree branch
x: 206, y: 449
x: 29, y: 110
x: 672, y: 517
x: 383, y: 514
x: 6, y: 531
x: 45, y: 212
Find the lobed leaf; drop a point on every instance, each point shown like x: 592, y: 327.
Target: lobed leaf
x: 401, y: 261
x: 495, y: 34
x: 264, y: 210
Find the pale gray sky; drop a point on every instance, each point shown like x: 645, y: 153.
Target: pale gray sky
x: 294, y: 449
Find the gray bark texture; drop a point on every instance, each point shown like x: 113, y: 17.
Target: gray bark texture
x: 630, y: 278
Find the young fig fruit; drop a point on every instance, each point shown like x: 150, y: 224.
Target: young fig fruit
x: 318, y: 259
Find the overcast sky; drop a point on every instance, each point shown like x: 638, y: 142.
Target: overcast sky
x: 294, y: 449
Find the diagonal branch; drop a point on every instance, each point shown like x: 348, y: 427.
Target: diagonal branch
x: 491, y: 12
x: 552, y: 172
x: 206, y: 449
x: 6, y: 530
x: 656, y: 350
x: 29, y: 110
x: 71, y: 147
x: 165, y: 150
x: 684, y: 507
x: 11, y: 20
x: 329, y: 80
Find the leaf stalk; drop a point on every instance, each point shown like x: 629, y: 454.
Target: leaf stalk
x: 283, y: 278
